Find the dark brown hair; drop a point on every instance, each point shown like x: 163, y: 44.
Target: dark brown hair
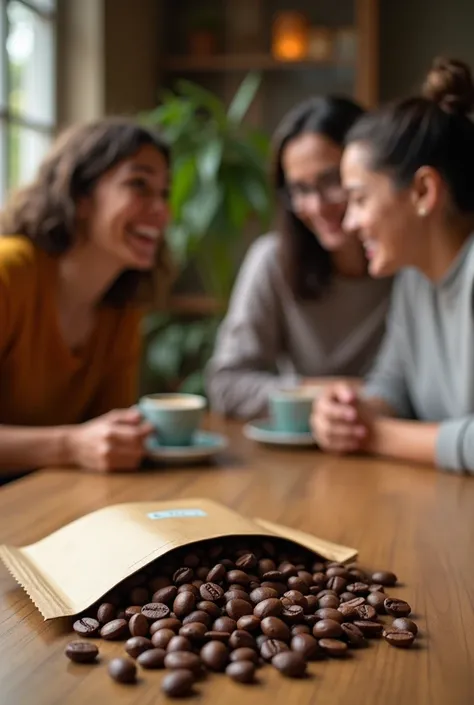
x: 431, y: 130
x: 307, y: 266
x: 45, y: 210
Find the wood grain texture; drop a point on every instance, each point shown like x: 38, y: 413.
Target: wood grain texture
x: 416, y: 521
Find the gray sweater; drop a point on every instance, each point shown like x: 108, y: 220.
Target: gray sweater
x: 425, y: 369
x: 268, y: 339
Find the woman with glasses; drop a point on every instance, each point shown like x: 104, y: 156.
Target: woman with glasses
x: 303, y: 307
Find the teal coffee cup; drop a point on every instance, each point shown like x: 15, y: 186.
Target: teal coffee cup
x: 175, y: 417
x: 290, y: 409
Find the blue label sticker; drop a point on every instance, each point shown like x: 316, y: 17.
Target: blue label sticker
x: 177, y: 514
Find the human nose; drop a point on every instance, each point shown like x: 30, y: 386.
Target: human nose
x: 350, y: 221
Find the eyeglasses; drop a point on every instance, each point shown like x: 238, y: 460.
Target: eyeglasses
x: 328, y: 189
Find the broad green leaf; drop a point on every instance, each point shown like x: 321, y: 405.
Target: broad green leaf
x: 184, y: 177
x: 202, y: 98
x: 209, y: 160
x: 244, y: 97
x: 193, y: 383
x: 165, y: 352
x: 201, y: 209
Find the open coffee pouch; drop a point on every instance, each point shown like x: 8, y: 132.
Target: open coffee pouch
x: 72, y: 568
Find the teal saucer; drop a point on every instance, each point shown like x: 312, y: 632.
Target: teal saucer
x: 262, y: 431
x: 204, y: 446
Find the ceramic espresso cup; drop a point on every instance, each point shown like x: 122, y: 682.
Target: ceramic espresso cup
x: 175, y: 417
x: 290, y: 409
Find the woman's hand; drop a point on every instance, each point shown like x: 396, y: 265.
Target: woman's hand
x: 114, y: 441
x: 341, y: 422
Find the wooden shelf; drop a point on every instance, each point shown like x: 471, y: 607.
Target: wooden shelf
x: 240, y: 62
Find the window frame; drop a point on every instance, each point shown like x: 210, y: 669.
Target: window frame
x: 19, y: 119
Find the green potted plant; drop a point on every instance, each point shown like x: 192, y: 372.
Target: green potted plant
x: 219, y: 185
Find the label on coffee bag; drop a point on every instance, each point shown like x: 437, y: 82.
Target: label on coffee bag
x: 177, y: 514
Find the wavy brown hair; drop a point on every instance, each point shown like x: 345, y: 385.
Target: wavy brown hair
x: 45, y: 210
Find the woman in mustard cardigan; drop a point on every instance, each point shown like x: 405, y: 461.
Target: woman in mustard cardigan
x: 79, y: 251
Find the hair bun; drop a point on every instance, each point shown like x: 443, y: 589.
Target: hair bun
x: 450, y: 84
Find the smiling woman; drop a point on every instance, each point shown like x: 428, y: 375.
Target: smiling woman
x: 81, y: 251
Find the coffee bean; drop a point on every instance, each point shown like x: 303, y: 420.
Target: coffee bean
x: 215, y: 655
x: 86, y: 627
x: 272, y: 607
x: 369, y: 629
x: 241, y: 671
x: 320, y: 579
x: 166, y: 595
x: 130, y: 612
x: 192, y: 560
x: 236, y: 595
x: 296, y: 598
x: 211, y: 592
x: 385, y: 578
x: 249, y: 623
x: 238, y: 608
x: 349, y: 609
x: 376, y: 600
x: 81, y: 651
x: 244, y: 653
x: 399, y: 638
x: 137, y: 645
x: 328, y: 601
x: 184, y: 604
x: 168, y: 623
x: 198, y: 616
x: 376, y: 587
x: 159, y: 582
x: 358, y: 589
x: 106, y: 612
x: 195, y: 631
x: 306, y: 645
x: 162, y: 638
x: 138, y: 625
x: 346, y: 597
x: 152, y: 659
x: 405, y: 625
x: 189, y: 587
x: 238, y: 577
x: 183, y: 659
x: 312, y: 603
x: 310, y: 619
x: 327, y: 629
x: 115, y: 630
x: 367, y: 613
x: 122, y: 670
x: 337, y: 584
x: 224, y: 624
x: 260, y: 594
x: 272, y: 647
x: 300, y: 629
x: 217, y: 636
x: 178, y: 684
x: 396, y: 608
x: 155, y: 610
x: 353, y: 635
x: 322, y: 593
x: 275, y: 628
x: 216, y: 574
x: 296, y: 583
x: 291, y: 614
x: 290, y: 664
x: 275, y: 576
x: 337, y: 571
x: 246, y: 562
x: 333, y: 647
x: 265, y: 565
x: 213, y: 610
x: 183, y: 576
x: 240, y: 638
x: 179, y: 643
x: 329, y: 613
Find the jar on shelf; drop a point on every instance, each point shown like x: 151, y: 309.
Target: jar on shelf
x: 290, y: 36
x: 320, y: 44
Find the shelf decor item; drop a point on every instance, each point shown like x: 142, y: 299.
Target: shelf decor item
x: 203, y: 32
x: 346, y: 45
x: 290, y: 35
x: 320, y: 44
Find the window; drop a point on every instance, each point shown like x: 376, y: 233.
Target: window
x: 27, y: 88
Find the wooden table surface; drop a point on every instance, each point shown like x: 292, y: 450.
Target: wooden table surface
x: 415, y: 521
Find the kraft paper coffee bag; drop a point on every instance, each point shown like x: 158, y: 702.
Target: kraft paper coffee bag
x: 69, y: 570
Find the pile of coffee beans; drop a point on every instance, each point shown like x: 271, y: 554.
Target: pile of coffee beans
x: 234, y: 606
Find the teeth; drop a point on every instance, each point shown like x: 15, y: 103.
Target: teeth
x: 148, y: 231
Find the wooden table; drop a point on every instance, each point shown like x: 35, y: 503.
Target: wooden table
x: 416, y: 521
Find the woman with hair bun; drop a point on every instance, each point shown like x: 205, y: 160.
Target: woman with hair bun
x: 409, y: 173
